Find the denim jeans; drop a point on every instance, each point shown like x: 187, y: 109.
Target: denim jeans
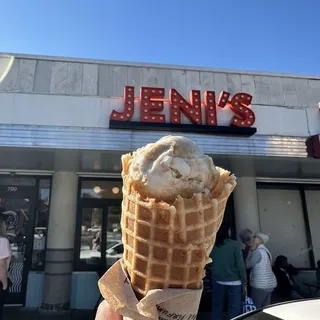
x: 224, y: 295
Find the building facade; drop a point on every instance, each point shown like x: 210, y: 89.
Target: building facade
x: 60, y: 183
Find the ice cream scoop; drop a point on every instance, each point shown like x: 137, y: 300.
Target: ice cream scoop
x: 172, y: 166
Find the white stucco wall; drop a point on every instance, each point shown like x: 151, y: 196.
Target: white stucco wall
x: 94, y: 112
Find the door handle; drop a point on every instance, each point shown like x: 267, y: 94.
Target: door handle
x: 24, y: 249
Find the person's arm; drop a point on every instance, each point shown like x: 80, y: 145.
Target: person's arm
x: 253, y: 258
x: 239, y: 263
x: 5, y: 255
x: 292, y: 270
x: 4, y: 273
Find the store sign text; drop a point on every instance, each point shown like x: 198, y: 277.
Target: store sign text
x: 152, y: 104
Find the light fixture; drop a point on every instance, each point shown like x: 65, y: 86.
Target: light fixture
x: 96, y: 189
x: 115, y: 190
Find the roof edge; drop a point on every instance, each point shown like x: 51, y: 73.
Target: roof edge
x: 156, y: 65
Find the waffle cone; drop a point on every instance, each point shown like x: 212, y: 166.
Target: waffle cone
x: 168, y: 245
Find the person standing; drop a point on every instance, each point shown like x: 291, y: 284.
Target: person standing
x: 228, y: 275
x: 246, y: 237
x: 5, y: 258
x: 262, y: 278
x: 286, y: 289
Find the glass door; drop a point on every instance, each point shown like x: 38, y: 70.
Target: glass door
x: 17, y: 206
x: 98, y: 237
x: 114, y: 248
x: 91, y: 234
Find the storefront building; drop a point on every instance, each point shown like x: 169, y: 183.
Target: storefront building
x: 60, y: 183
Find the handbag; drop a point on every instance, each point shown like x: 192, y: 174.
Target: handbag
x: 248, y: 305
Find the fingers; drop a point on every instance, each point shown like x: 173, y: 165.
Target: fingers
x: 105, y: 312
x: 245, y: 289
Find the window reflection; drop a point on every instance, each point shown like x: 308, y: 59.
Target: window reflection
x: 90, y: 248
x: 41, y: 225
x: 114, y: 249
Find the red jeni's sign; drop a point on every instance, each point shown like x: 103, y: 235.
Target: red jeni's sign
x: 201, y: 114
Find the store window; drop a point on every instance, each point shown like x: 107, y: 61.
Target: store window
x: 282, y: 216
x: 312, y: 196
x: 41, y: 225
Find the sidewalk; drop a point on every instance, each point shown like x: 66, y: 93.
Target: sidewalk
x: 32, y: 314
x: 13, y: 313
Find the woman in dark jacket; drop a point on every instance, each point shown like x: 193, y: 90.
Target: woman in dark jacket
x: 286, y: 289
x: 228, y: 275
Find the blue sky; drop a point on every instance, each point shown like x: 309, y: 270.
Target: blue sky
x: 268, y: 35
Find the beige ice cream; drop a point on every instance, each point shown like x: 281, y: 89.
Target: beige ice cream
x: 172, y: 166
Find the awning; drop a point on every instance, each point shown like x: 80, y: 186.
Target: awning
x: 101, y: 139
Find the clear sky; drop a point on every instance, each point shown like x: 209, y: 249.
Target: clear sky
x: 267, y: 35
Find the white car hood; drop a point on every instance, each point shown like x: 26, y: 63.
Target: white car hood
x: 299, y: 310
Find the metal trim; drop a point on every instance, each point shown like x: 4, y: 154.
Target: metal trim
x: 13, y: 305
x: 104, y: 139
x: 307, y: 227
x: 59, y: 309
x: 60, y: 250
x: 185, y: 128
x: 99, y: 175
x: 59, y: 261
x: 26, y: 172
x: 62, y: 274
x: 287, y: 180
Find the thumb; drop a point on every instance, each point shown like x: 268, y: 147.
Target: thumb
x: 105, y: 312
